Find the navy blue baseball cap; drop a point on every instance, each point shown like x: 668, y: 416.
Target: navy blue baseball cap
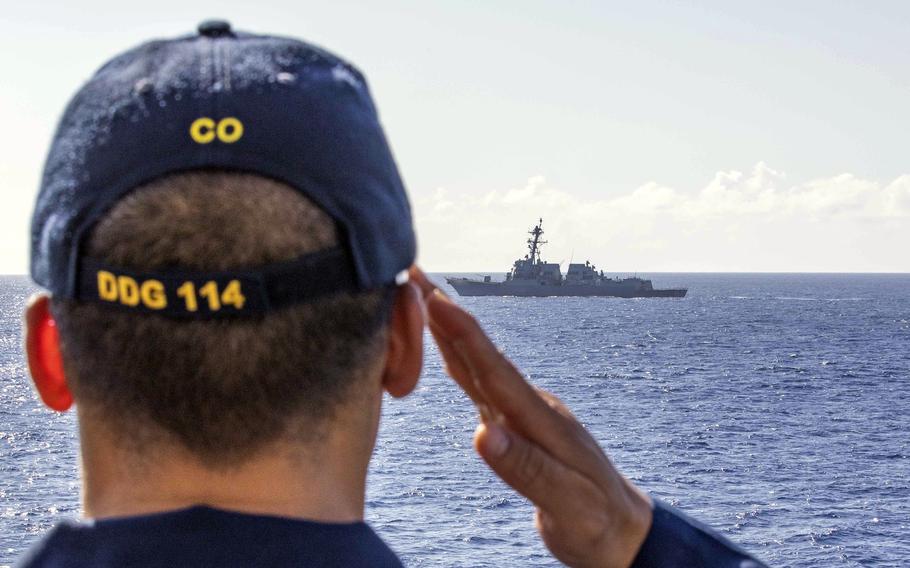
x: 230, y: 100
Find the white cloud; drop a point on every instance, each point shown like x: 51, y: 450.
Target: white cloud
x: 737, y: 222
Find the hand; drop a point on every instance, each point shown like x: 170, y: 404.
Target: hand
x: 588, y: 514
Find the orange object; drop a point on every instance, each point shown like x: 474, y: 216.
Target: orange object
x: 45, y: 361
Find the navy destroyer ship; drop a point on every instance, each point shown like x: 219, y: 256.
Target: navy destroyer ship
x: 531, y: 276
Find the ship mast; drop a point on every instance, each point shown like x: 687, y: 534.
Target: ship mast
x: 535, y: 243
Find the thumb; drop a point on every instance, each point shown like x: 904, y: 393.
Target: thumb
x: 522, y: 464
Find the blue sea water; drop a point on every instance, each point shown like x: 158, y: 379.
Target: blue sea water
x: 774, y: 407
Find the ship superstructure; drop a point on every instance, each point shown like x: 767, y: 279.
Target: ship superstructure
x: 532, y: 276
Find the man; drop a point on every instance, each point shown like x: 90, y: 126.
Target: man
x: 229, y: 253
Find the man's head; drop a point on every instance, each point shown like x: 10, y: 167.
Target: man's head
x: 197, y: 299
x: 222, y: 388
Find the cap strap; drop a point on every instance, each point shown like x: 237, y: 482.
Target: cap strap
x: 230, y: 293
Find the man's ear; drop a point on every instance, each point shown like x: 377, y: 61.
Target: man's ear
x: 404, y: 358
x: 42, y: 346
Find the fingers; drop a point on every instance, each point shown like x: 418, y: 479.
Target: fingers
x: 418, y: 277
x: 581, y: 433
x: 499, y: 389
x: 503, y: 386
x: 531, y: 471
x: 454, y: 366
x: 462, y: 375
x: 505, y: 390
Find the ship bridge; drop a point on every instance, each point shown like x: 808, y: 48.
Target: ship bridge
x: 583, y: 274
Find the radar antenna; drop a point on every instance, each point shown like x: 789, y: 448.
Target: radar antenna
x: 535, y: 243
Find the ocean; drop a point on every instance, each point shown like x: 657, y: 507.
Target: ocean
x: 775, y: 407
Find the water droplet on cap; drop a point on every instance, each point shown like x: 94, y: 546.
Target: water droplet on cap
x: 143, y: 86
x: 285, y: 78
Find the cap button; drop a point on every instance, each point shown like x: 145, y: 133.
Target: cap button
x: 214, y: 28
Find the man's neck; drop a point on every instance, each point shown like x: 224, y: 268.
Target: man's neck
x: 322, y: 483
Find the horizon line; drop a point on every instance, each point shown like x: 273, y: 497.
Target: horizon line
x: 882, y: 272
x: 878, y: 272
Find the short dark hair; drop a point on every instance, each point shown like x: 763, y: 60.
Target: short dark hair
x: 221, y: 388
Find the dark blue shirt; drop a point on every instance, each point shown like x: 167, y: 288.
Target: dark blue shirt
x: 202, y: 536
x: 676, y: 540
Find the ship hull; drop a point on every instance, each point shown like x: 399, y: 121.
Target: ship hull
x: 466, y: 287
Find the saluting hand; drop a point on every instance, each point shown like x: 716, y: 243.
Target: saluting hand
x: 588, y: 514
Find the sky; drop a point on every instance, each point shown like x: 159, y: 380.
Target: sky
x: 649, y: 136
